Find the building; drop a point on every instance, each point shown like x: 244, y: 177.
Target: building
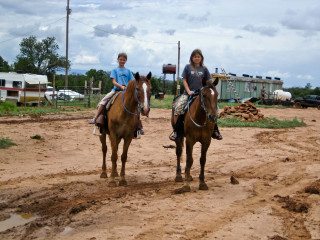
x: 233, y: 87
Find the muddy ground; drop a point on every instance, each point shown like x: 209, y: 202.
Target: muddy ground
x: 54, y: 182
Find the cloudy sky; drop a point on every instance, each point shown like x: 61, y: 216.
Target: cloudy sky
x: 276, y: 38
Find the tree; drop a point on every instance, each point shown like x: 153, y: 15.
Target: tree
x: 40, y: 57
x: 308, y: 86
x: 100, y: 75
x: 4, y: 66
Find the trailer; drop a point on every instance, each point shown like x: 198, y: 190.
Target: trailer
x: 231, y: 87
x: 23, y: 88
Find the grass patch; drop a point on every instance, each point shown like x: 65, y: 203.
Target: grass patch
x: 6, y: 143
x: 38, y: 137
x: 166, y: 102
x: 263, y: 123
x: 8, y: 108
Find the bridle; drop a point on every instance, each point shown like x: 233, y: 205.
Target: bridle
x: 202, y: 104
x: 136, y: 94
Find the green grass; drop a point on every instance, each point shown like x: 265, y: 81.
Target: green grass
x: 263, y: 123
x: 166, y: 102
x: 6, y: 143
x: 37, y: 137
x: 8, y: 108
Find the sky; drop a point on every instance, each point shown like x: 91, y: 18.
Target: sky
x: 275, y: 38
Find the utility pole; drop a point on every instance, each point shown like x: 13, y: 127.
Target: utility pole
x: 178, y: 86
x: 67, y: 43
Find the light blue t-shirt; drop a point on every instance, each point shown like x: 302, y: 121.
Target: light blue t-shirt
x: 122, y: 76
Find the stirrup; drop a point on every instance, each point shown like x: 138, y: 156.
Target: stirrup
x: 218, y: 137
x: 173, y: 136
x: 137, y: 134
x: 93, y: 121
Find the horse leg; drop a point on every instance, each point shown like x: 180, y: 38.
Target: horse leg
x: 104, y: 153
x: 114, y: 157
x: 179, y: 143
x: 124, y: 156
x: 203, y: 158
x: 189, y: 163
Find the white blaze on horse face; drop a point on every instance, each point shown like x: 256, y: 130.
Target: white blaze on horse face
x: 212, y: 92
x: 145, y: 87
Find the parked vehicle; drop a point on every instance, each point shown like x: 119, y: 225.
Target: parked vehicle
x: 49, y: 93
x: 307, y: 101
x: 22, y: 88
x: 69, y: 95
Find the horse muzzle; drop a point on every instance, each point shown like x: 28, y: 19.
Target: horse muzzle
x: 212, y: 117
x: 144, y: 111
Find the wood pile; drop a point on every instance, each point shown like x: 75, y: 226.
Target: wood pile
x: 246, y: 111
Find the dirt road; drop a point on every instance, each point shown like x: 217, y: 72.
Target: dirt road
x: 50, y: 188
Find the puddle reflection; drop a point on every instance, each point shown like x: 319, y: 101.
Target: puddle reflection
x: 16, y: 219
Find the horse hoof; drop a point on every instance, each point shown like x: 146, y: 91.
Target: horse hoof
x: 203, y: 186
x: 178, y: 178
x: 182, y: 190
x: 112, y: 184
x: 103, y: 175
x: 190, y: 179
x: 122, y: 183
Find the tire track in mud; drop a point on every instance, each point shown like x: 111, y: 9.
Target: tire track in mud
x: 57, y: 204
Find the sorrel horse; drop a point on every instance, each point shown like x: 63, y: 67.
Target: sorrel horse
x: 122, y: 119
x: 199, y: 122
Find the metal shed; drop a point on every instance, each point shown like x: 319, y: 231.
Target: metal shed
x: 233, y: 87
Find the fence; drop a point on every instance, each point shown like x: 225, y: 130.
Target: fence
x: 85, y: 96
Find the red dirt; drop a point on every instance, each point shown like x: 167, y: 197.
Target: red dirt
x: 57, y: 179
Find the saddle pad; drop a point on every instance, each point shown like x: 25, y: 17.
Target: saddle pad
x: 109, y: 104
x: 190, y: 101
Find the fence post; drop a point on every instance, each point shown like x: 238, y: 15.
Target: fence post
x: 90, y: 91
x: 54, y: 101
x: 100, y: 84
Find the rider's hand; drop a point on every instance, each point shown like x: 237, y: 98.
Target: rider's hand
x: 190, y: 93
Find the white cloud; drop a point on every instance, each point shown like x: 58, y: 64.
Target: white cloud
x: 276, y: 38
x: 263, y: 30
x: 85, y: 59
x: 305, y: 77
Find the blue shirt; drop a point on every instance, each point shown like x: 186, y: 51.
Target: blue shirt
x: 122, y: 76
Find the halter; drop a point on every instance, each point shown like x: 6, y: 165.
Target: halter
x: 202, y: 105
x: 139, y: 104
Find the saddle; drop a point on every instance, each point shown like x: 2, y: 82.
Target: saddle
x: 101, y: 120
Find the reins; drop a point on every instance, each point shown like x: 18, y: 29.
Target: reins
x: 139, y: 104
x: 202, y: 105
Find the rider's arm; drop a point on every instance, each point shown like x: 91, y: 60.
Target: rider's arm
x: 114, y: 81
x: 186, y: 87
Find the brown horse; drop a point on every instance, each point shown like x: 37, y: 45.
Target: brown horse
x: 199, y: 122
x: 122, y: 120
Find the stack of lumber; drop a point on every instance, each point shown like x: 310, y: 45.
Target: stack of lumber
x: 246, y: 111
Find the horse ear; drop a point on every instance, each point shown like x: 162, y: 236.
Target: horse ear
x: 149, y: 75
x: 137, y: 76
x: 216, y: 81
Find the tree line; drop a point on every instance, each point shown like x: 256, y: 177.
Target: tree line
x: 41, y: 57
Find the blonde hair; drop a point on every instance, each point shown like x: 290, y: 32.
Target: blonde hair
x: 123, y: 54
x: 194, y: 52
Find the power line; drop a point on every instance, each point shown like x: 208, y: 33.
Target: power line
x: 28, y: 33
